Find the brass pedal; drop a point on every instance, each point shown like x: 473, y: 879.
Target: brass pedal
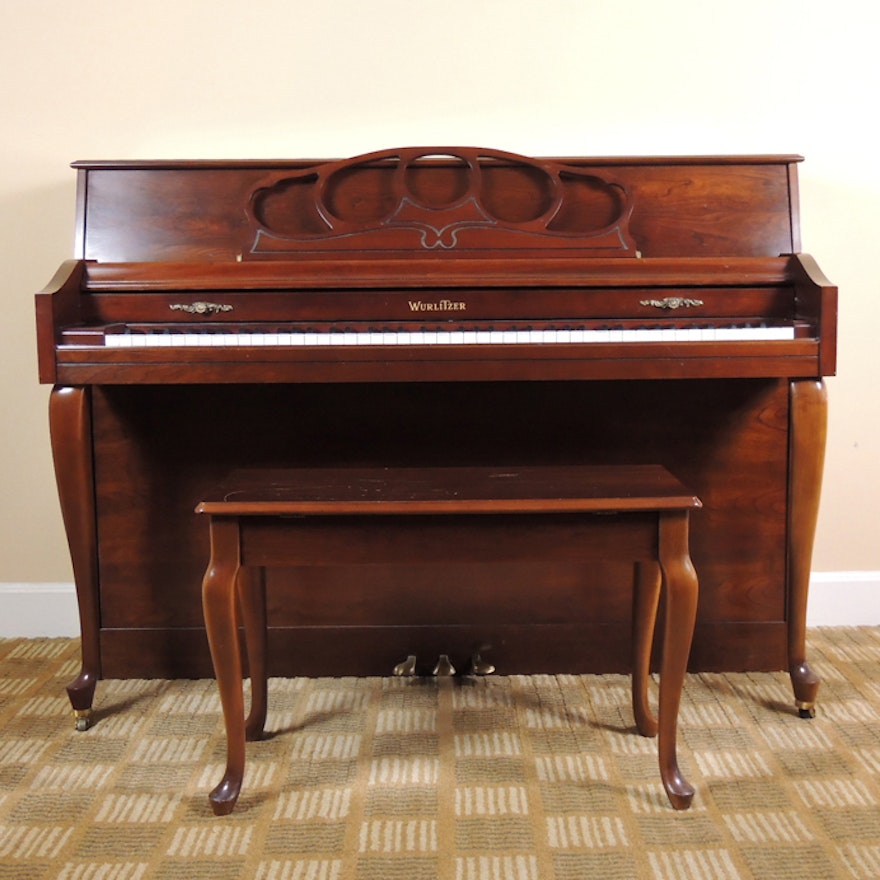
x: 406, y: 667
x: 479, y: 666
x: 444, y: 666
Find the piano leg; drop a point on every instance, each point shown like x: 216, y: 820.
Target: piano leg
x: 809, y: 412
x: 70, y: 425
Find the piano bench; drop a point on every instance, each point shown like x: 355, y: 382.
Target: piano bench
x: 261, y: 519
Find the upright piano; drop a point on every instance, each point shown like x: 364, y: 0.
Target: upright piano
x: 427, y: 307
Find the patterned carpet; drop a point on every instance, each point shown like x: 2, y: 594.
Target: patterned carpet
x: 501, y: 778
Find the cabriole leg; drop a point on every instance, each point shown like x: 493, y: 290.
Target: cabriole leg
x: 70, y: 427
x: 646, y: 597
x: 220, y: 605
x: 680, y: 588
x: 809, y: 417
x: 252, y: 599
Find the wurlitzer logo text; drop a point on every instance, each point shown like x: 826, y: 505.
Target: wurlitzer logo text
x: 443, y: 305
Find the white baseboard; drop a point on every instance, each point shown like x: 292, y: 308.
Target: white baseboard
x: 38, y: 610
x: 837, y: 598
x: 844, y: 598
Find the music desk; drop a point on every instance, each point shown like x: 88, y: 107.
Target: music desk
x: 354, y: 516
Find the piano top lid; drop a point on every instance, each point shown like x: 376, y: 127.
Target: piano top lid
x: 577, y: 161
x: 444, y: 202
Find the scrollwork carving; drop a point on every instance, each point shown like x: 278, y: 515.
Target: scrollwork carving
x: 438, y: 199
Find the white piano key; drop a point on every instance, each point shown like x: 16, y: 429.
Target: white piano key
x: 725, y: 334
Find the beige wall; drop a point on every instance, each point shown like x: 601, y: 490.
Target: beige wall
x: 207, y: 78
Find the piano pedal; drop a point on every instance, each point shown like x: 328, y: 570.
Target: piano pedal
x: 479, y: 666
x: 444, y: 667
x: 406, y: 667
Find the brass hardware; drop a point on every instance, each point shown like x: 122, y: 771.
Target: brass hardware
x: 407, y: 667
x: 200, y: 308
x: 805, y: 709
x: 672, y: 303
x: 82, y: 718
x: 479, y: 666
x: 444, y: 667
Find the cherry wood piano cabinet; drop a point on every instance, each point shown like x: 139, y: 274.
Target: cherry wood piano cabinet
x: 425, y: 307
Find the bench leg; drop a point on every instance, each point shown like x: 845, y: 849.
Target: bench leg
x: 220, y: 605
x: 680, y: 589
x: 252, y: 603
x: 646, y: 597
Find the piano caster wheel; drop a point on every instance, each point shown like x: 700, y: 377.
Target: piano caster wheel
x: 82, y: 718
x: 806, y: 710
x: 407, y: 667
x: 479, y: 666
x: 444, y: 667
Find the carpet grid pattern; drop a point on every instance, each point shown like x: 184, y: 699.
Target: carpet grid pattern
x: 537, y: 777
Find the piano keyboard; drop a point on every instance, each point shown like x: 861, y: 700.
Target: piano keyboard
x: 166, y: 338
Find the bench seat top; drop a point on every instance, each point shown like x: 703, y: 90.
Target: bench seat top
x: 449, y: 490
